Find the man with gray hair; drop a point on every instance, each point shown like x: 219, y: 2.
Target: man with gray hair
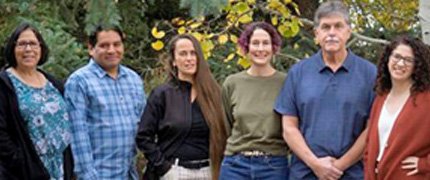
x: 325, y: 103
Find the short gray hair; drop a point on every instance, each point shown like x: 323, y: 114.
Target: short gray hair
x: 329, y: 8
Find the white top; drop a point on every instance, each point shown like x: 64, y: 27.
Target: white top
x: 385, y: 125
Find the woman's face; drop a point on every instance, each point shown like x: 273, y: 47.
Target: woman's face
x: 185, y: 59
x: 401, y: 63
x: 27, y: 50
x: 260, y: 47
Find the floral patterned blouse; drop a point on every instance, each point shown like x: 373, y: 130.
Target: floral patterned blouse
x: 45, y: 114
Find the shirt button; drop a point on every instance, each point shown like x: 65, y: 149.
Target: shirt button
x: 121, y: 98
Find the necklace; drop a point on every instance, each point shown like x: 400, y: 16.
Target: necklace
x: 33, y: 80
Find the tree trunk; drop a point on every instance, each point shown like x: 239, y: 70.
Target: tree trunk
x: 307, y: 8
x: 424, y: 14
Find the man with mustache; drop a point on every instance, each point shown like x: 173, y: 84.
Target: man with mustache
x: 325, y: 103
x: 106, y: 100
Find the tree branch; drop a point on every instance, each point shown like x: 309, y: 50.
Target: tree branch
x: 289, y: 56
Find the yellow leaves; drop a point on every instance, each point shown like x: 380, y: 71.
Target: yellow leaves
x: 157, y: 34
x: 240, y: 12
x: 274, y: 20
x: 233, y: 38
x: 274, y: 4
x: 289, y: 29
x: 218, y: 36
x: 197, y: 35
x: 182, y: 30
x: 157, y: 45
x: 178, y: 21
x: 195, y: 25
x: 244, y: 62
x: 207, y: 47
x: 229, y: 57
x: 245, y: 19
x: 222, y: 39
x: 209, y: 36
x: 280, y: 7
x: 239, y: 52
x: 241, y: 7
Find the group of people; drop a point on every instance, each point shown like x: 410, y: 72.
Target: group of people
x: 334, y: 115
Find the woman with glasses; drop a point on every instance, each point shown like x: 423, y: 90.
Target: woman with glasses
x: 34, y: 124
x: 398, y: 146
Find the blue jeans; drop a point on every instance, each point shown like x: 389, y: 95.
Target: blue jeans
x: 240, y: 167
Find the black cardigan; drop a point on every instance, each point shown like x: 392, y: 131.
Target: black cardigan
x: 163, y: 128
x: 18, y: 156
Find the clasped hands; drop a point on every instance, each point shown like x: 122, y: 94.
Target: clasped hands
x: 327, y: 168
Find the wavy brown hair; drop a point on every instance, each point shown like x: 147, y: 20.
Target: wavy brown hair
x: 421, y: 72
x: 208, y: 97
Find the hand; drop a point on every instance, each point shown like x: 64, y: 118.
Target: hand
x: 410, y: 163
x: 325, y: 170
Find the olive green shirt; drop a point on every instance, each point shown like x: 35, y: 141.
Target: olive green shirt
x: 248, y: 103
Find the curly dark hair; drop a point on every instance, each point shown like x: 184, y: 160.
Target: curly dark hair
x: 421, y: 71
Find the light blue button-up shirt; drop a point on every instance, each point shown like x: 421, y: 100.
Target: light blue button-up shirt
x: 104, y: 113
x: 332, y: 107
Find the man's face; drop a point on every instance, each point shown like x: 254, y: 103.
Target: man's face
x: 109, y: 49
x: 332, y: 33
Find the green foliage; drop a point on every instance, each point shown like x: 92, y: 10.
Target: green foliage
x: 101, y: 12
x: 200, y: 8
x: 66, y: 56
x: 217, y: 23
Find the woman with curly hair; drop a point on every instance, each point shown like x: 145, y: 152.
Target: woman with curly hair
x: 399, y: 126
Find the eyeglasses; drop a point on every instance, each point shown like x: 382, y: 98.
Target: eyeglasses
x: 396, y: 58
x: 24, y: 44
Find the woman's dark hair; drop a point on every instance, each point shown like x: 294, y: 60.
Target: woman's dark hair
x: 421, y: 72
x: 9, y: 50
x: 245, y: 36
x: 209, y: 99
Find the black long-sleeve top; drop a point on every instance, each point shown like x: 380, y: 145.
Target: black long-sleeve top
x: 165, y: 124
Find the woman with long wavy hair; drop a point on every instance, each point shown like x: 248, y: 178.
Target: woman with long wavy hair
x: 182, y: 132
x: 399, y: 126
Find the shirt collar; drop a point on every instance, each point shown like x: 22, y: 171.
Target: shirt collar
x: 100, y: 72
x: 347, y: 64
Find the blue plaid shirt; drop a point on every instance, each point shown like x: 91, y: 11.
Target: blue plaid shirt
x: 104, y: 113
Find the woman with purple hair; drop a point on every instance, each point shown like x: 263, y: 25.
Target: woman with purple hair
x: 255, y: 147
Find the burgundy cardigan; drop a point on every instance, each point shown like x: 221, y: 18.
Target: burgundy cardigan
x: 410, y: 136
